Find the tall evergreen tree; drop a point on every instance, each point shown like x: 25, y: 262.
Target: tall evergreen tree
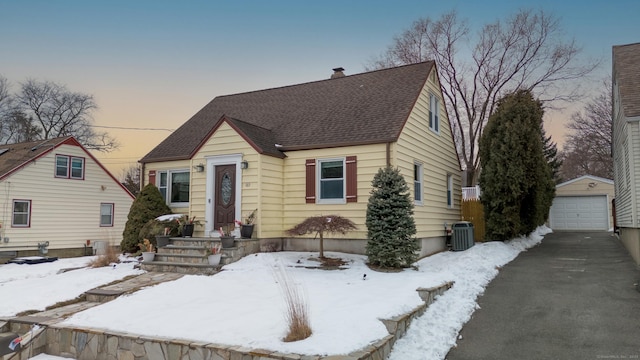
x: 391, y: 228
x: 551, y: 155
x: 148, y: 205
x: 548, y: 185
x: 516, y: 179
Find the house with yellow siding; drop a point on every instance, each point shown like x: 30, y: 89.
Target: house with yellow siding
x: 55, y: 192
x: 313, y: 149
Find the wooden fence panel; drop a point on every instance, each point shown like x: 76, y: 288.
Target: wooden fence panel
x: 473, y: 212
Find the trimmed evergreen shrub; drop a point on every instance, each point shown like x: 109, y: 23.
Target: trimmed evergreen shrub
x: 390, y: 225
x: 516, y: 178
x: 148, y: 205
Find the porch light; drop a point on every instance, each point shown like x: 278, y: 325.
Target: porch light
x: 199, y: 167
x: 244, y: 164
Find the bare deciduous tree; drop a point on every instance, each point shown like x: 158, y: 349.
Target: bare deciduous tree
x: 6, y: 108
x: 587, y: 150
x: 19, y: 128
x: 4, y: 94
x: 60, y: 112
x: 131, y: 179
x: 526, y: 51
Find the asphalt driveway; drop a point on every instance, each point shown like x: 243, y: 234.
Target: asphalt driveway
x: 572, y: 297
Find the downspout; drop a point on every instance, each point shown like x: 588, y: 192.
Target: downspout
x: 388, y: 154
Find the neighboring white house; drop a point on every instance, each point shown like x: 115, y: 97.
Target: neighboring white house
x: 583, y: 203
x: 626, y: 144
x: 55, y: 191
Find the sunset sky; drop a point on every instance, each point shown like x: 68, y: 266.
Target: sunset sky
x: 155, y: 63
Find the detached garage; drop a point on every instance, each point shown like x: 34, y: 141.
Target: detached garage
x: 583, y: 203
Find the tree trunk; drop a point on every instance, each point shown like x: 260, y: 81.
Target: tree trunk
x: 470, y: 177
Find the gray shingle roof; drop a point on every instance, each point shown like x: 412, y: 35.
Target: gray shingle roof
x: 626, y: 73
x: 364, y: 108
x: 19, y: 154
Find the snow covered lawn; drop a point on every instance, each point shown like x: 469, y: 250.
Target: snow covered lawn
x: 34, y: 287
x: 243, y: 305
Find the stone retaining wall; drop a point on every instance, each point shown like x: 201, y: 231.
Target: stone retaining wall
x: 95, y: 344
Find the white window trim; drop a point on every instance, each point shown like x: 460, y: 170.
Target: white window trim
x: 212, y: 162
x: 168, y: 191
x: 450, y: 200
x: 420, y: 180
x: 13, y: 206
x: 112, y: 206
x: 319, y: 199
x: 69, y: 167
x: 435, y: 113
x: 81, y: 177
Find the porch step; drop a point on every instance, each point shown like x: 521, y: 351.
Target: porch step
x: 188, y: 255
x: 194, y: 241
x: 180, y: 268
x: 186, y: 258
x: 181, y: 250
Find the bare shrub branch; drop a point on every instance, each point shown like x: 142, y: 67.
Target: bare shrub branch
x: 111, y: 256
x: 297, y: 312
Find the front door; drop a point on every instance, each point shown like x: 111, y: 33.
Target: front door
x: 225, y: 197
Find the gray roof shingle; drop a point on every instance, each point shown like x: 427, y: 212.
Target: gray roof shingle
x: 19, y: 154
x: 364, y: 108
x: 626, y: 68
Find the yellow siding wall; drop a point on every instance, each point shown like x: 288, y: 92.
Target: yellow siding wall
x: 265, y: 170
x: 436, y: 152
x: 271, y: 193
x: 65, y: 212
x: 370, y: 159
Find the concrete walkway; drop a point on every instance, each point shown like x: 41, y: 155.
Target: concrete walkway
x: 572, y: 297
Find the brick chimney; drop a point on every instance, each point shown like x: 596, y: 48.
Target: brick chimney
x: 337, y: 73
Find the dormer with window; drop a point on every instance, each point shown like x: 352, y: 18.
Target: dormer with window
x: 69, y: 167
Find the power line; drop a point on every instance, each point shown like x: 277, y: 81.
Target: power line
x: 123, y: 158
x: 131, y: 128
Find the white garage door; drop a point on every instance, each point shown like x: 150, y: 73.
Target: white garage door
x: 579, y: 213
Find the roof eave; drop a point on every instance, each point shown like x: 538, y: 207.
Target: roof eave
x: 336, y: 145
x: 161, y: 159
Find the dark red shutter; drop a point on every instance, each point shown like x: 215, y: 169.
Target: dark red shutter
x: 152, y: 177
x: 352, y: 179
x: 310, y: 166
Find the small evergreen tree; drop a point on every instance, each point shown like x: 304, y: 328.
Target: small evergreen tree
x: 390, y: 223
x: 516, y: 180
x: 148, y: 205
